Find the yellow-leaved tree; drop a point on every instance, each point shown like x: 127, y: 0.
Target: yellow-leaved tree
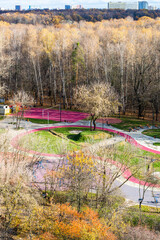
x: 78, y: 175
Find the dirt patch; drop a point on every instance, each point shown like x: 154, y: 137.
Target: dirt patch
x: 75, y: 132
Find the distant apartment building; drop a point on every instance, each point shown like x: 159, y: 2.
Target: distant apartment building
x: 142, y: 5
x: 116, y: 5
x: 132, y: 5
x: 152, y: 8
x: 18, y: 8
x: 123, y: 5
x: 67, y: 7
x: 77, y: 7
x: 33, y: 7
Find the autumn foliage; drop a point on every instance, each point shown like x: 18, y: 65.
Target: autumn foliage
x: 67, y: 223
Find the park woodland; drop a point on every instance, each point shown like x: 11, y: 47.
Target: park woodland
x: 49, y: 61
x: 80, y: 125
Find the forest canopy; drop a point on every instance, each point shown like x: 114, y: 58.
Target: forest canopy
x: 54, y: 17
x: 48, y: 62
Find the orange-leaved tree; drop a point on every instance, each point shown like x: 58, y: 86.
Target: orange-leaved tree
x: 64, y: 222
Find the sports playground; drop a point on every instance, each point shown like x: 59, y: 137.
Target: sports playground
x: 55, y: 115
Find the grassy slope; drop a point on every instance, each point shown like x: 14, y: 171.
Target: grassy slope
x: 2, y: 130
x: 44, y: 141
x: 152, y: 133
x: 40, y: 121
x: 156, y: 144
x: 128, y: 123
x: 150, y: 216
x: 85, y: 136
x: 135, y: 157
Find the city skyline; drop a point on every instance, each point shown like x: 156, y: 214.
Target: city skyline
x: 10, y: 4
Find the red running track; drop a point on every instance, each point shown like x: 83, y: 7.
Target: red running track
x: 69, y: 116
x: 128, y: 138
x: 55, y: 115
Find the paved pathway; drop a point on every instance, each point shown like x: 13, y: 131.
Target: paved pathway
x: 130, y: 189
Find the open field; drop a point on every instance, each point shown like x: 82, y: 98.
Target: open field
x: 68, y: 139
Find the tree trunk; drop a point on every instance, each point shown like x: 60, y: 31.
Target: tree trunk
x: 91, y: 123
x: 157, y: 115
x: 94, y: 124
x: 140, y: 109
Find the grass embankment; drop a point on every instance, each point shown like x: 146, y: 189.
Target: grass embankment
x: 152, y: 133
x: 84, y: 135
x: 135, y: 158
x: 156, y: 144
x: 2, y: 130
x: 129, y: 123
x: 40, y: 121
x: 45, y: 141
x: 150, y: 217
x: 137, y: 155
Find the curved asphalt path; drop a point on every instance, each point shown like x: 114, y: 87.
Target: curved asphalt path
x: 129, y: 190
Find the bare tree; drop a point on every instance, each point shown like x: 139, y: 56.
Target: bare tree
x: 98, y: 99
x: 3, y: 90
x: 20, y: 101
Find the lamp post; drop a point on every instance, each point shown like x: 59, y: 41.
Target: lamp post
x: 60, y: 111
x: 43, y: 113
x: 119, y: 110
x: 48, y: 120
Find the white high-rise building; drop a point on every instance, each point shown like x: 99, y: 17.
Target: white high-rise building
x: 77, y: 7
x: 123, y: 5
x: 132, y: 5
x: 116, y: 5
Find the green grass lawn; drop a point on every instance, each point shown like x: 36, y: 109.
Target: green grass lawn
x: 85, y: 135
x: 150, y: 216
x: 152, y: 133
x: 2, y: 130
x: 156, y: 144
x: 129, y: 122
x: 1, y: 117
x: 40, y: 121
x: 134, y: 157
x: 44, y: 141
x: 137, y: 155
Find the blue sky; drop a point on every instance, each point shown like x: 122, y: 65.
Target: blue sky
x: 10, y: 4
